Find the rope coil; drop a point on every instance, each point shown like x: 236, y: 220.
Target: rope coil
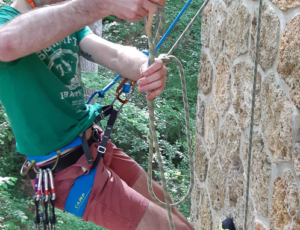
x: 153, y: 137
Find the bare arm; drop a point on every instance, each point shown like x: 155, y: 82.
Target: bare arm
x: 124, y: 60
x: 127, y: 61
x: 41, y: 28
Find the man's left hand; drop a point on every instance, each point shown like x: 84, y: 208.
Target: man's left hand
x: 153, y: 79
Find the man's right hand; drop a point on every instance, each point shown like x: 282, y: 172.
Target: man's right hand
x: 134, y: 10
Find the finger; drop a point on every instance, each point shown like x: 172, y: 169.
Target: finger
x: 153, y: 85
x: 136, y: 18
x: 152, y: 78
x: 147, y: 80
x: 154, y: 93
x: 158, y: 64
x: 143, y: 12
x: 149, y: 6
x: 159, y: 2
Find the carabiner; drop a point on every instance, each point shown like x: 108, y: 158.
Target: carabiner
x: 37, y: 220
x: 118, y: 93
x: 52, y: 218
x: 39, y: 187
x: 45, y: 200
x: 53, y: 194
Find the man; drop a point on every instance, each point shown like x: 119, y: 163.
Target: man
x: 41, y: 92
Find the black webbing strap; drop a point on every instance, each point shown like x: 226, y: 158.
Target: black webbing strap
x: 86, y: 149
x: 106, y: 110
x: 111, y: 121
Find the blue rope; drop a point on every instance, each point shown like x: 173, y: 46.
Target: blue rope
x: 173, y: 24
x: 91, y: 97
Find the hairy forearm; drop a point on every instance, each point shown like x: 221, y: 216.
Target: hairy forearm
x: 41, y: 28
x: 124, y: 60
x: 129, y: 62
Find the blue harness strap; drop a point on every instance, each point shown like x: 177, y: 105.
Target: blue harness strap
x: 76, y: 142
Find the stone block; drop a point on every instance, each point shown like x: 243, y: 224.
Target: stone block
x: 296, y: 155
x: 276, y: 120
x: 200, y: 161
x: 195, y: 197
x: 200, y: 116
x: 269, y: 37
x: 222, y: 86
x: 237, y: 30
x: 289, y: 58
x: 242, y: 94
x: 285, y: 204
x: 211, y: 124
x: 286, y: 4
x: 229, y: 142
x: 205, y: 25
x: 240, y: 215
x: 217, y: 34
x: 260, y: 173
x: 205, y: 215
x: 260, y: 226
x: 236, y: 182
x: 205, y: 74
x: 216, y: 185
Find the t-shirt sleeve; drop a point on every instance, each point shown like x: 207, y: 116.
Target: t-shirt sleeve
x: 83, y: 32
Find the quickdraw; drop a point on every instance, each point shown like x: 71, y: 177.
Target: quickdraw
x: 43, y: 197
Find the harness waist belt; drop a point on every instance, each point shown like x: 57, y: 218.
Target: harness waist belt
x: 76, y: 142
x: 65, y: 161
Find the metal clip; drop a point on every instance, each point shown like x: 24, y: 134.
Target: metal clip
x: 53, y: 194
x: 52, y: 218
x: 36, y: 204
x: 101, y: 149
x: 39, y: 187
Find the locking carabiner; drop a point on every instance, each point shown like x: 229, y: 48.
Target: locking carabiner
x: 126, y: 88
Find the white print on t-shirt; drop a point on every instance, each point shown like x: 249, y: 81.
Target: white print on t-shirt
x: 72, y: 94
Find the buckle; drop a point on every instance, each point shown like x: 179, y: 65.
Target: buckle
x: 101, y: 149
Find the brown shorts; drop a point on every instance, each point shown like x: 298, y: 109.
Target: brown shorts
x: 112, y: 204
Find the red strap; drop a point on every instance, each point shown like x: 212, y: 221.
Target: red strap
x: 52, y: 190
x: 31, y: 3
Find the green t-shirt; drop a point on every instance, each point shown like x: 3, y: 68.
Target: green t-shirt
x: 43, y: 96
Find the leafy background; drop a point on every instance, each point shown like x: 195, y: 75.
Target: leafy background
x: 131, y: 131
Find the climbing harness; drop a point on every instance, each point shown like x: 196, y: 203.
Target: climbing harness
x: 252, y: 112
x: 78, y: 196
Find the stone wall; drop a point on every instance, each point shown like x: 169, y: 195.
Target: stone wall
x: 223, y: 116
